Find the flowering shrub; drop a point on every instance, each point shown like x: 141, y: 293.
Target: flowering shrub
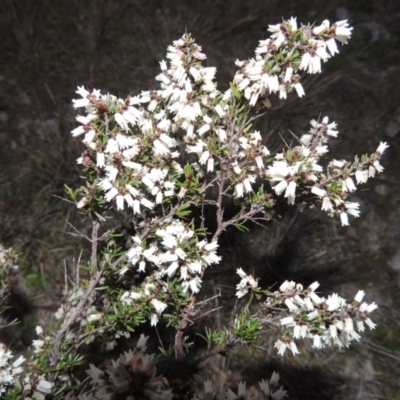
x: 161, y: 164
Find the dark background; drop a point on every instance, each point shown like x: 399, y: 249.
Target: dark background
x: 48, y: 47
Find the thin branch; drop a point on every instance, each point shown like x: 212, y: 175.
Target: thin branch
x: 183, y: 323
x: 95, y: 232
x: 230, y: 343
x: 80, y: 338
x: 72, y: 318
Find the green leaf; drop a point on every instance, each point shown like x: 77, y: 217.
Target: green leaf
x: 183, y: 211
x: 235, y: 91
x: 241, y: 226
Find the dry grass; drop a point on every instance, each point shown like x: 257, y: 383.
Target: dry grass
x: 48, y: 47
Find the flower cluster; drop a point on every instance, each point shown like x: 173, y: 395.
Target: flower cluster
x: 173, y: 250
x: 247, y: 283
x: 279, y: 58
x: 299, y: 168
x: 327, y: 321
x: 8, y: 260
x: 166, y: 161
x: 38, y: 388
x: 8, y: 371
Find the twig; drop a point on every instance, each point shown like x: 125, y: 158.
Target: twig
x: 231, y: 342
x: 93, y: 258
x: 183, y: 323
x: 72, y: 318
x: 81, y: 337
x: 206, y: 313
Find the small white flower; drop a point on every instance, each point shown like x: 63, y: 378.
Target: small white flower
x: 342, y: 31
x: 344, y: 219
x: 39, y: 330
x: 281, y: 347
x: 293, y: 348
x: 318, y: 191
x: 299, y: 89
x: 359, y: 296
x: 158, y: 305
x: 327, y: 204
x: 219, y: 111
x: 349, y: 326
x: 291, y: 192
x: 239, y: 189
x: 317, y: 342
x: 334, y: 302
x: 382, y: 147
x: 322, y: 28
x: 361, y: 176
x: 154, y: 319
x: 142, y: 342
x: 332, y: 47
x: 45, y: 386
x: 370, y: 323
x: 288, y: 74
x: 94, y: 317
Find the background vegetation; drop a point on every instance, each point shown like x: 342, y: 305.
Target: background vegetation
x: 48, y: 47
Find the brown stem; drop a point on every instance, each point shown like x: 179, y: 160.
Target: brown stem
x: 95, y: 233
x: 183, y: 323
x: 216, y: 350
x: 72, y: 318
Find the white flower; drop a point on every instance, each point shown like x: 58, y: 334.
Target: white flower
x: 219, y: 111
x: 349, y: 326
x: 305, y: 61
x: 318, y: 191
x: 361, y: 176
x: 39, y: 330
x: 287, y: 321
x: 288, y: 74
x: 282, y: 92
x: 291, y: 192
x: 78, y: 131
x: 334, y: 302
x: 332, y: 47
x: 370, y: 323
x: 281, y: 346
x: 45, y: 386
x: 315, y: 298
x: 382, y: 147
x: 348, y: 185
x: 111, y: 194
x: 121, y: 121
x: 327, y: 204
x: 322, y: 28
x: 154, y: 319
x: 280, y: 187
x: 368, y: 308
x: 239, y: 189
x: 317, y: 342
x: 158, y: 305
x: 18, y: 362
x: 344, y: 219
x: 359, y: 296
x: 287, y: 286
x: 293, y: 348
x: 241, y: 273
x: 299, y: 89
x: 352, y: 208
x: 94, y: 317
x: 342, y: 31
